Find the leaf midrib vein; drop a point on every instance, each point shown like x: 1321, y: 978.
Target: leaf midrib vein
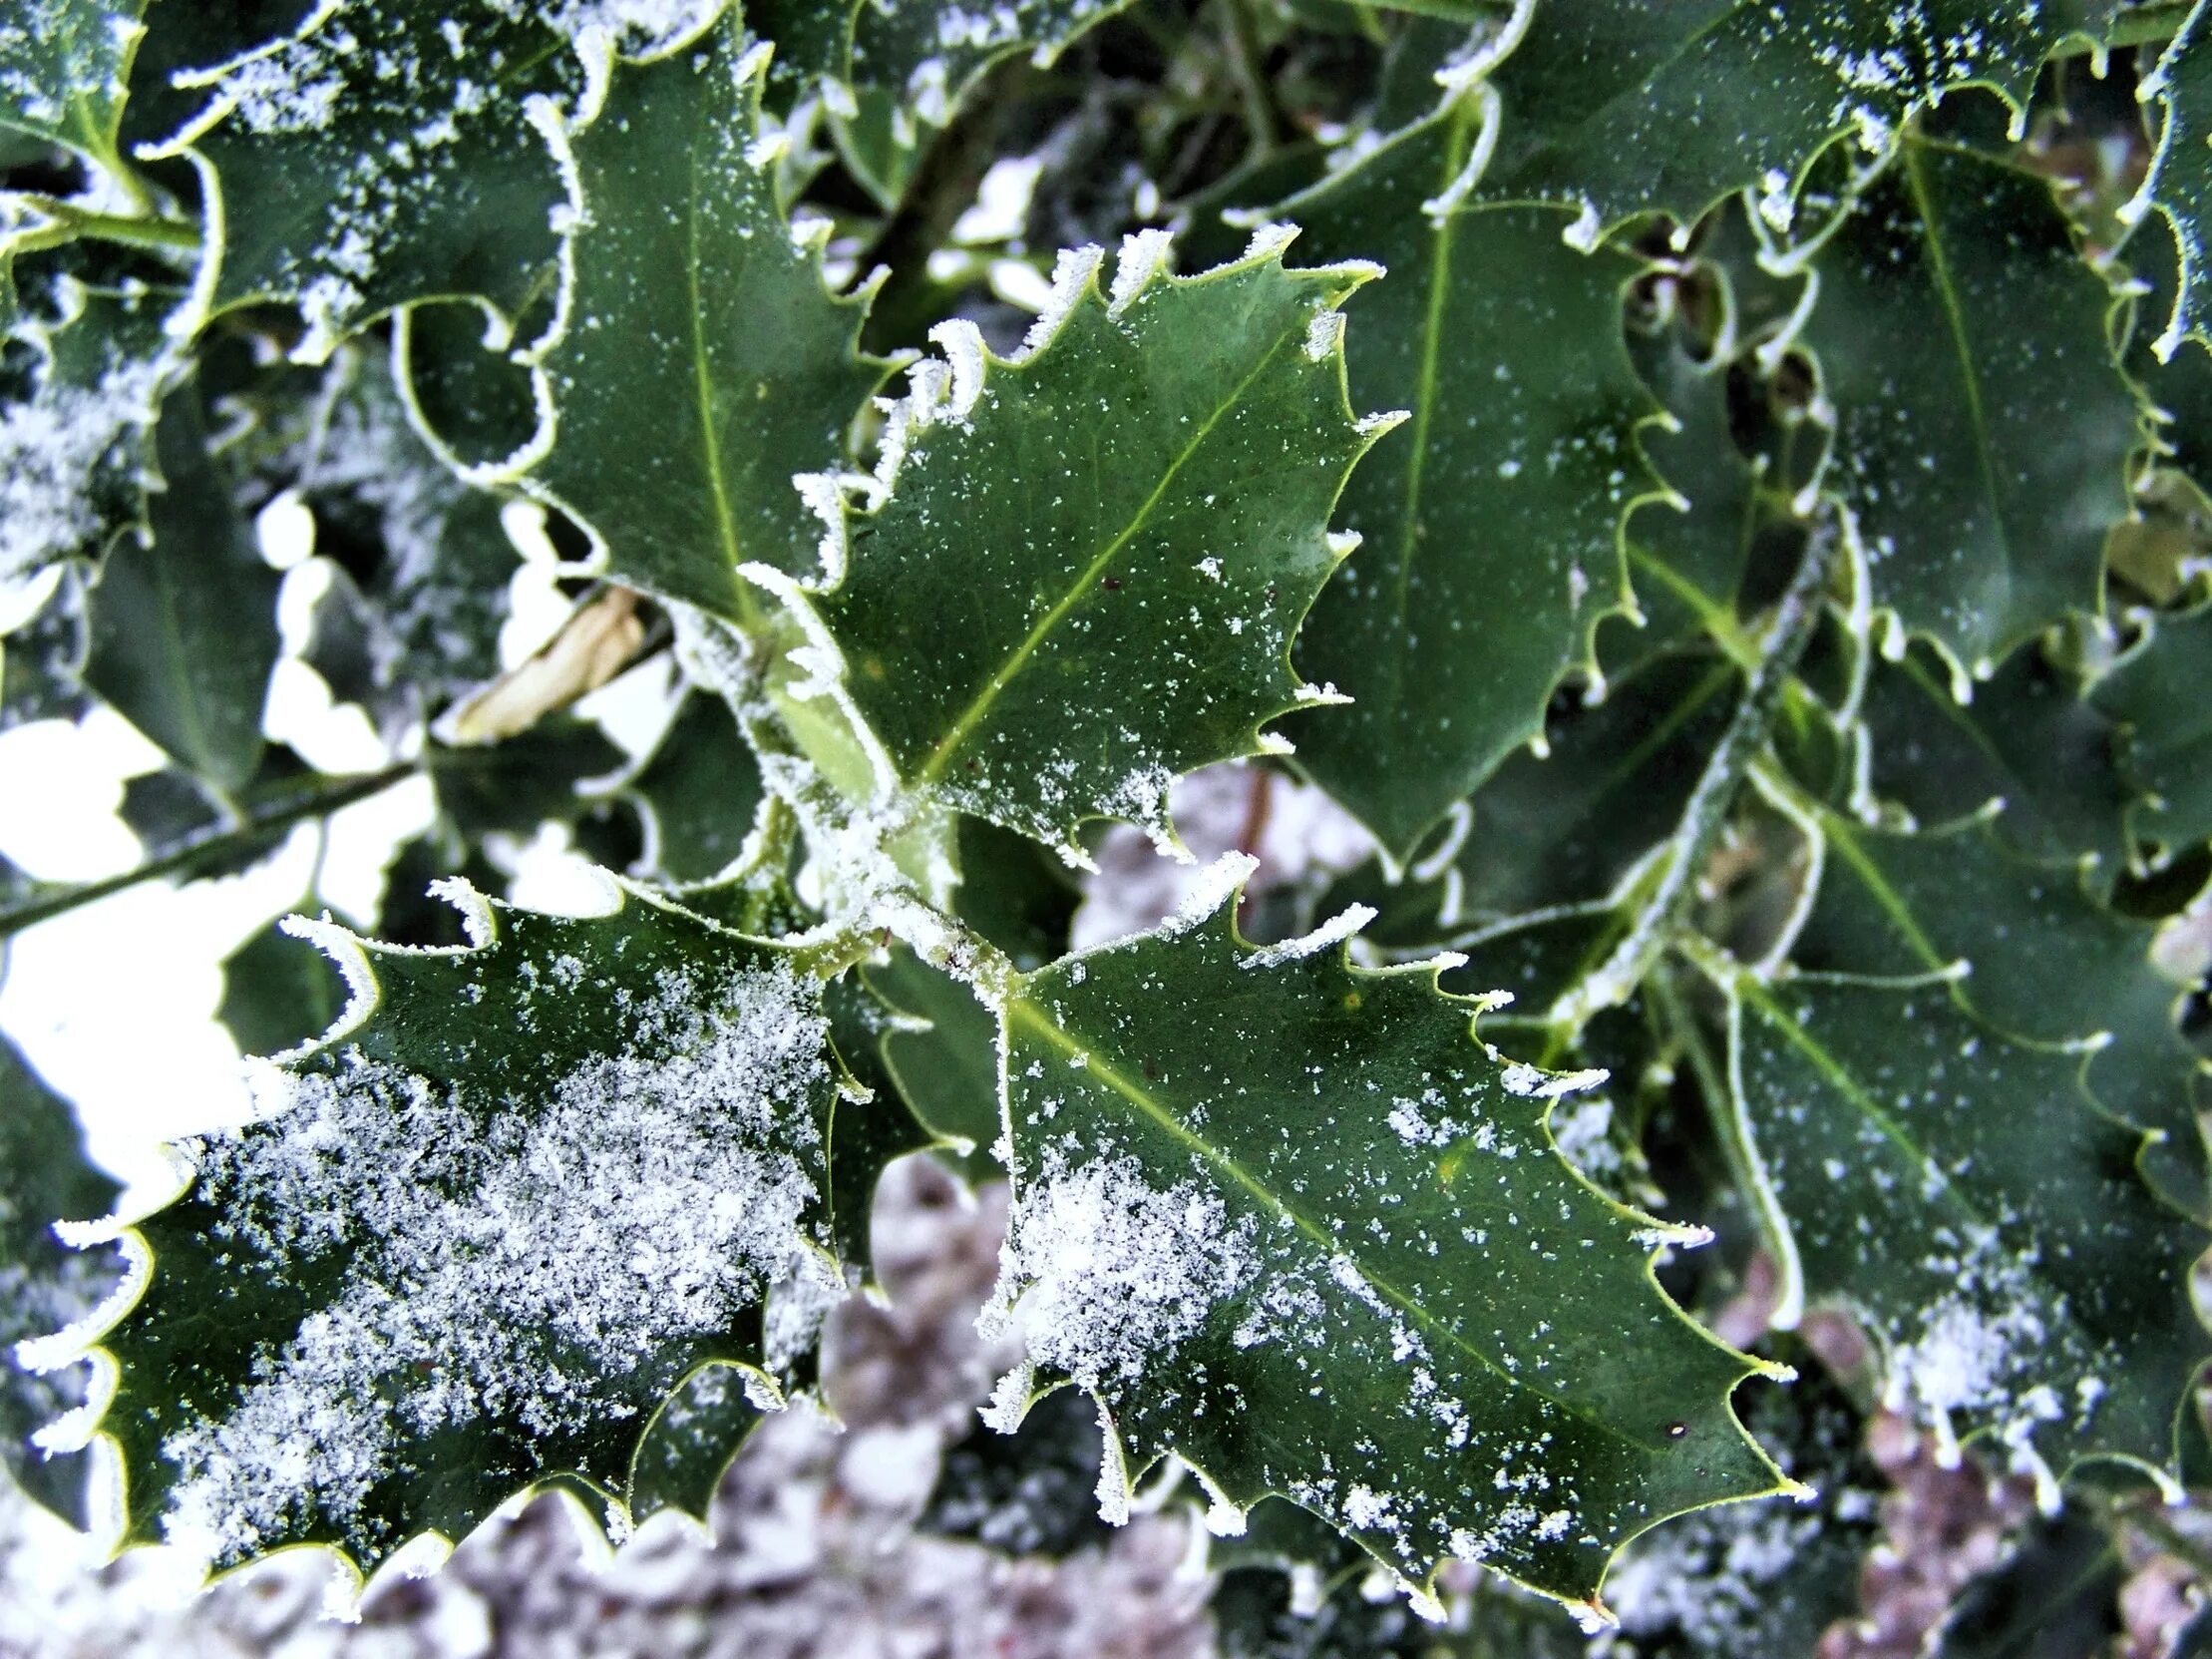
x: 1947, y: 292
x: 940, y: 755
x: 1142, y: 1099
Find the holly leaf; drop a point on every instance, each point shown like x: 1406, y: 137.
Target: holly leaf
x: 75, y: 422
x: 1984, y: 1222
x: 2045, y: 963
x: 691, y: 1442
x: 44, y: 1178
x: 2028, y: 738
x: 1627, y: 107
x: 2156, y: 694
x: 1572, y: 827
x: 1689, y: 550
x: 692, y: 314
x: 277, y: 992
x: 930, y: 54
x: 65, y: 72
x: 1983, y: 427
x: 1747, y: 1579
x: 379, y: 153
x: 1492, y: 533
x: 182, y: 622
x: 2179, y: 180
x: 477, y: 1235
x: 1088, y: 560
x: 942, y: 1054
x: 1290, y: 1221
x: 702, y: 790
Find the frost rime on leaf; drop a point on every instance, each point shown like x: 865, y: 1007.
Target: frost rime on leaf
x: 1442, y: 1342
x: 1628, y: 106
x: 382, y: 155
x: 1028, y: 618
x: 477, y: 1240
x: 73, y: 443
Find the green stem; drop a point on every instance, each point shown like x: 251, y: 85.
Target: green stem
x: 164, y: 235
x: 42, y: 907
x: 1713, y: 799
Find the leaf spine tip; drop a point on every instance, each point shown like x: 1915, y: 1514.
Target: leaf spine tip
x: 1143, y: 259
x: 1268, y: 240
x: 1073, y: 273
x: 475, y: 910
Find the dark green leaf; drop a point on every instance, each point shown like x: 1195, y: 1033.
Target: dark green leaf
x: 2052, y: 1598
x: 1986, y: 1224
x: 1492, y: 527
x: 2028, y: 738
x: 182, y: 622
x: 2045, y: 962
x: 1092, y: 556
x: 1290, y: 1221
x: 1632, y: 106
x: 380, y: 155
x: 1759, y: 1582
x: 2157, y: 693
x: 277, y: 992
x: 692, y: 316
x: 478, y: 1236
x: 2180, y: 177
x: 1983, y: 428
x: 525, y: 780
x: 701, y: 790
x: 44, y: 1284
x: 945, y: 1056
x: 64, y: 70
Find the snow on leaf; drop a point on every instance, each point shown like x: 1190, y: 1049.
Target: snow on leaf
x: 477, y: 1235
x: 692, y: 314
x: 380, y: 153
x: 74, y: 430
x: 1491, y: 530
x: 65, y: 68
x: 1444, y: 1343
x: 1981, y: 1217
x: 44, y: 1285
x: 1023, y: 617
x: 1629, y: 107
x: 1983, y: 428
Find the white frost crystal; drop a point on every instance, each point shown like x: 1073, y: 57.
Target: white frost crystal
x: 530, y: 1266
x: 52, y: 450
x: 1103, y: 1273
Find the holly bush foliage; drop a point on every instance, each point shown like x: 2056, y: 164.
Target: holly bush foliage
x: 1715, y: 490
